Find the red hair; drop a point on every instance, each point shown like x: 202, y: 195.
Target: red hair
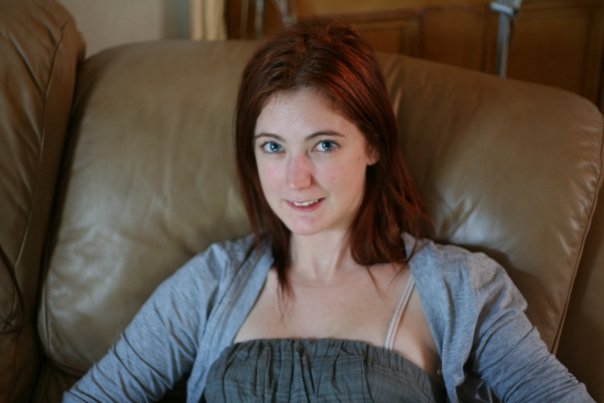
x: 335, y: 61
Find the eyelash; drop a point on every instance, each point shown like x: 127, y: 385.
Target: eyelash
x: 269, y: 144
x: 328, y: 146
x: 331, y: 148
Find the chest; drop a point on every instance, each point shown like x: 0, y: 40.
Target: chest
x: 354, y: 309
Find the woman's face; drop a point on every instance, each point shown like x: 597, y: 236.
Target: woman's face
x: 311, y: 162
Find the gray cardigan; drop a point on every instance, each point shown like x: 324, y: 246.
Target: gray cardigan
x: 475, y: 313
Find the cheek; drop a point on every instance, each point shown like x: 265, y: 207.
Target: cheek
x: 344, y: 180
x: 349, y: 173
x: 269, y: 175
x: 338, y: 177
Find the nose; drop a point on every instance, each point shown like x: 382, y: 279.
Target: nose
x: 299, y: 172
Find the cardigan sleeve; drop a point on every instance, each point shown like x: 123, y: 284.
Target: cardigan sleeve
x: 507, y: 352
x: 159, y: 346
x: 486, y: 343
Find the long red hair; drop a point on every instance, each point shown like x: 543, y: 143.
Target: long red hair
x: 337, y: 62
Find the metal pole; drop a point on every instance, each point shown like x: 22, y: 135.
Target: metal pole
x: 507, y: 10
x: 286, y: 11
x: 259, y: 18
x: 503, y: 44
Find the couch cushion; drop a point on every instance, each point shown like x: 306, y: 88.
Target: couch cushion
x: 39, y: 48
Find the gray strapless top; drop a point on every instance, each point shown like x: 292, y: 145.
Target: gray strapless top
x: 317, y: 370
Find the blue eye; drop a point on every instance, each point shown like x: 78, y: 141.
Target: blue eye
x: 270, y: 147
x: 326, y: 146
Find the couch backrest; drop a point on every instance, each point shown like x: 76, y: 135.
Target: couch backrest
x: 508, y: 168
x: 39, y: 51
x: 582, y: 342
x: 515, y: 170
x: 148, y: 182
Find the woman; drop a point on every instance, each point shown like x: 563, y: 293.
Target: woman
x: 335, y: 297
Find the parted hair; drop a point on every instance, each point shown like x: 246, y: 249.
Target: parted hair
x: 334, y: 60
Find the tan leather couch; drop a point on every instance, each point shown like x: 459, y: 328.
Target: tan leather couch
x: 116, y: 169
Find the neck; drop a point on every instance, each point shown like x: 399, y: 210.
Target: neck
x: 321, y: 258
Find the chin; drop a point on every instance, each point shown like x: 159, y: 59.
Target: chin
x: 298, y: 226
x: 305, y: 231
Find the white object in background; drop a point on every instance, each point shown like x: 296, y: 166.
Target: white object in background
x: 207, y: 19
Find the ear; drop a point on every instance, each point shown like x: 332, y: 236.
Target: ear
x: 372, y: 156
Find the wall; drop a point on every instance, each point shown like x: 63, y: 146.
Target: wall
x: 106, y: 23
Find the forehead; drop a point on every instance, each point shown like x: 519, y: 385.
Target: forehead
x: 300, y: 110
x: 296, y: 98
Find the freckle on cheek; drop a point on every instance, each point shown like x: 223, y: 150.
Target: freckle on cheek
x: 334, y: 174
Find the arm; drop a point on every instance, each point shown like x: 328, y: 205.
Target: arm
x: 159, y: 345
x: 508, y: 352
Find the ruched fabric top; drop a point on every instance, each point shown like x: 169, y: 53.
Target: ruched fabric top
x: 317, y: 370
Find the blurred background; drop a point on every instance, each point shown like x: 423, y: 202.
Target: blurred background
x: 552, y: 42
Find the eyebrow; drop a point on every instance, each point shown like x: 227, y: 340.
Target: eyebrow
x: 309, y: 137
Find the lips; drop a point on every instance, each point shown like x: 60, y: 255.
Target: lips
x: 305, y: 204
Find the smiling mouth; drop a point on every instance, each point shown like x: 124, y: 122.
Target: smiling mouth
x: 306, y: 203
